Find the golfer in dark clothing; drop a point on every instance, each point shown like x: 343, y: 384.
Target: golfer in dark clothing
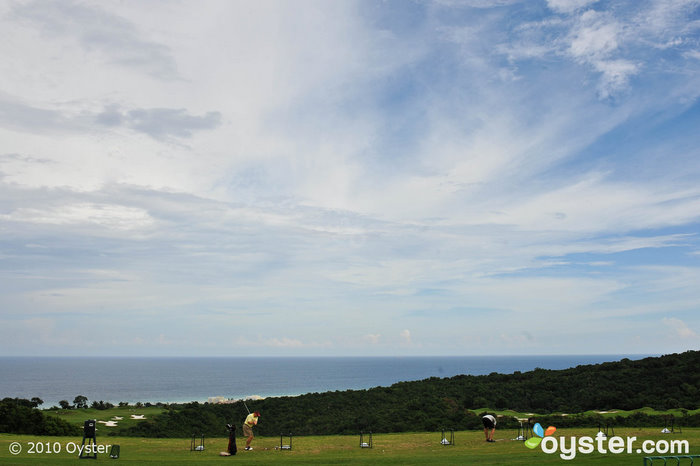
x: 489, y: 427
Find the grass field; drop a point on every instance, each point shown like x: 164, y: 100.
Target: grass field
x: 404, y: 449
x: 78, y: 416
x: 612, y: 413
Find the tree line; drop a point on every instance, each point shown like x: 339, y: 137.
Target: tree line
x: 20, y: 416
x: 666, y: 382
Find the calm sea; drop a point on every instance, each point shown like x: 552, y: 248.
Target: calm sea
x: 196, y: 379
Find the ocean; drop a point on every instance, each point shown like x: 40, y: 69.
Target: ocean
x: 169, y: 380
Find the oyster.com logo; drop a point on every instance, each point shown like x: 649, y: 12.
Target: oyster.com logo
x: 569, y: 447
x: 534, y: 442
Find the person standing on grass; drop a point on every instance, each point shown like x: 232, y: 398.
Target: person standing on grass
x: 250, y: 421
x: 489, y: 427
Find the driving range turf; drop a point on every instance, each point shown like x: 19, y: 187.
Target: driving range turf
x: 400, y: 448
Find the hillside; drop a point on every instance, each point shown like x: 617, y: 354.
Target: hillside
x: 665, y: 382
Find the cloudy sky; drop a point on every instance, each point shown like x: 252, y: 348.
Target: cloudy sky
x: 305, y: 177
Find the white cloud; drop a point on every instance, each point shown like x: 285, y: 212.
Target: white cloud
x: 158, y: 122
x: 616, y: 75
x: 284, y: 342
x: 680, y: 328
x: 595, y: 204
x: 595, y: 40
x: 97, y: 31
x: 594, y: 37
x: 476, y: 3
x: 238, y: 161
x: 106, y: 215
x: 569, y: 6
x: 693, y: 54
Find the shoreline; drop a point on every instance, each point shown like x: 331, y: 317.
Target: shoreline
x: 179, y: 381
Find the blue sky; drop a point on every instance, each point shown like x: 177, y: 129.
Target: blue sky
x: 349, y: 178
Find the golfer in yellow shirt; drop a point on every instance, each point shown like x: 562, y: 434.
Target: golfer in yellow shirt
x: 250, y: 421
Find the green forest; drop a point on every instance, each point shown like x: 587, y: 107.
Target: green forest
x: 19, y: 416
x: 662, y: 383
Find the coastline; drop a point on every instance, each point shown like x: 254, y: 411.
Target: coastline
x: 169, y: 380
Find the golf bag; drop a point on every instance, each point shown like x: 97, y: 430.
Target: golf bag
x: 232, y: 449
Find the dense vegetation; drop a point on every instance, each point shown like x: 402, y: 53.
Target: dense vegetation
x: 665, y: 382
x: 19, y: 416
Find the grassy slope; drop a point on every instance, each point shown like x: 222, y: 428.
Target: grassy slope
x: 404, y: 449
x: 79, y: 416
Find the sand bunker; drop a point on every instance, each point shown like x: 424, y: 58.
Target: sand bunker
x: 108, y: 423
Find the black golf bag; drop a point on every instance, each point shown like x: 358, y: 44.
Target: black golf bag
x: 232, y: 449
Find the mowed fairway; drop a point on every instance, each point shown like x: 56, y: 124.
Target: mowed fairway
x: 78, y: 416
x: 405, y: 448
